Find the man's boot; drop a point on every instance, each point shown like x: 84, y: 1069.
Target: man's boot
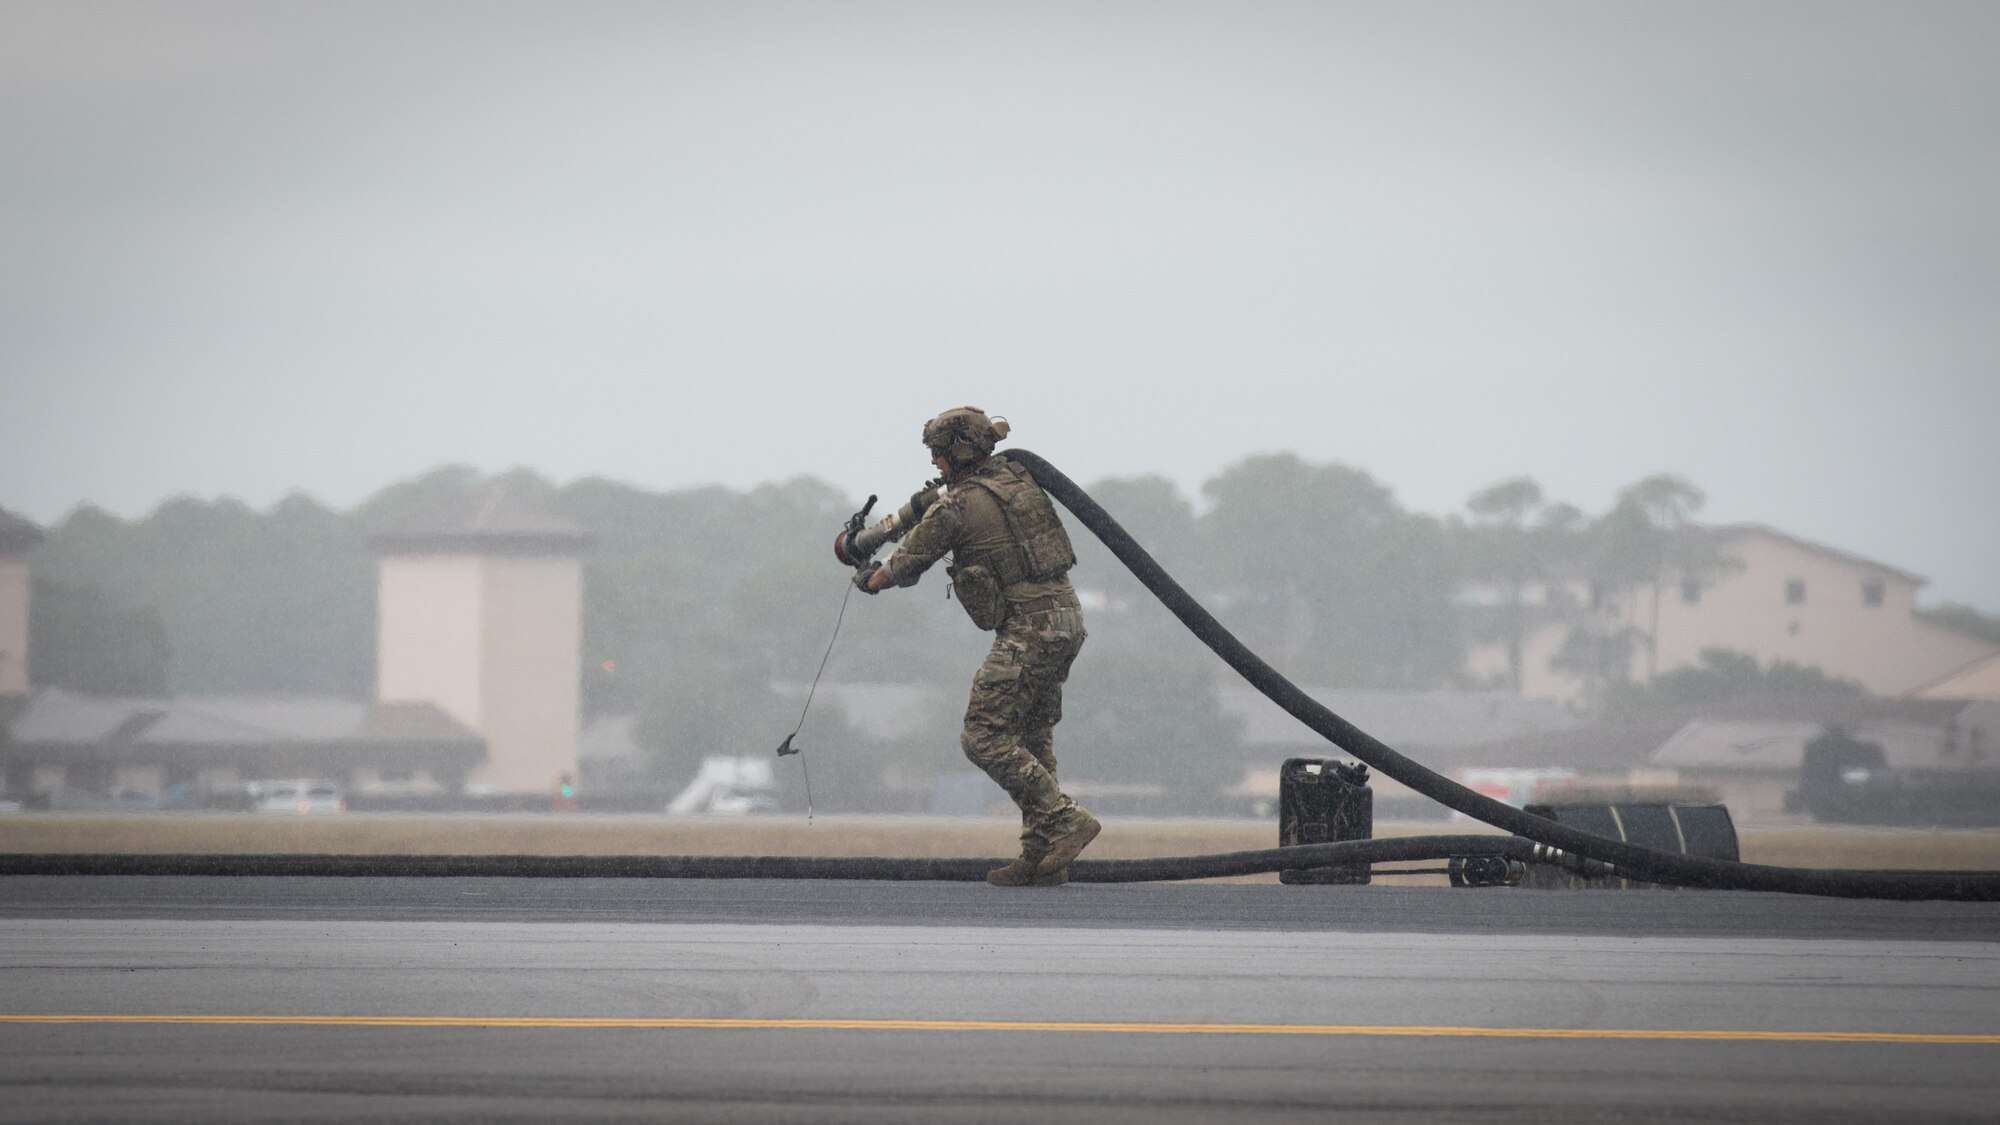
x: 1066, y: 843
x: 1025, y: 870
x: 1035, y: 793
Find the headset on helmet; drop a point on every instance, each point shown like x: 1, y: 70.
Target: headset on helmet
x: 964, y: 435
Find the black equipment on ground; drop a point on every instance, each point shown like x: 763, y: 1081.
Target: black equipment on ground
x: 1487, y: 871
x: 1678, y: 827
x: 1322, y: 801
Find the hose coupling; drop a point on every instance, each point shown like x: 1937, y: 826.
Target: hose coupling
x: 1485, y: 871
x: 1556, y: 857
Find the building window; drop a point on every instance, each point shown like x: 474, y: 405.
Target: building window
x: 1690, y: 592
x: 1871, y: 592
x: 1795, y: 592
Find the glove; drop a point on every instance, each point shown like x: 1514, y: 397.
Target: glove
x: 922, y: 499
x: 861, y: 577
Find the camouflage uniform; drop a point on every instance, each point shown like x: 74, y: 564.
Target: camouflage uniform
x: 995, y: 517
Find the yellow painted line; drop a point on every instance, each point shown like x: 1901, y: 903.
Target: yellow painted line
x: 1403, y: 1031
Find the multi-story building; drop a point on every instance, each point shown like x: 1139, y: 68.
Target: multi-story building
x: 17, y: 537
x: 1765, y: 593
x: 481, y: 614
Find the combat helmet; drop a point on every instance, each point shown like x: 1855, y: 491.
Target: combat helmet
x: 963, y: 435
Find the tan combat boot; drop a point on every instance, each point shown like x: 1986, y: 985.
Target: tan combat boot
x: 1025, y: 871
x: 1064, y: 846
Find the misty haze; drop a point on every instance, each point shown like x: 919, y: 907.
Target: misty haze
x: 1529, y: 470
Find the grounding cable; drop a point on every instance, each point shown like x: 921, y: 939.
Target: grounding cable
x: 786, y: 746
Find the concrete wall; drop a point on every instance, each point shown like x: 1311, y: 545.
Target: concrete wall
x: 494, y: 641
x: 13, y: 624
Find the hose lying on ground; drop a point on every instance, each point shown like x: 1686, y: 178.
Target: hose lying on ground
x: 1393, y: 850
x: 1536, y: 839
x: 1629, y: 860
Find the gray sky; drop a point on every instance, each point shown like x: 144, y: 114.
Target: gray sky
x: 252, y: 248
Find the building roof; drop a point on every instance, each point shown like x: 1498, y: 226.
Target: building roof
x: 52, y: 717
x: 1778, y: 745
x: 492, y: 518
x: 17, y: 534
x: 1765, y: 735
x: 1840, y: 710
x: 1739, y: 530
x: 1979, y: 679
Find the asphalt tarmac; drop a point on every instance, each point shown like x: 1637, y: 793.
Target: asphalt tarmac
x: 525, y: 999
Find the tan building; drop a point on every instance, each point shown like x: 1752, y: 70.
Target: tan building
x: 17, y: 538
x: 1776, y: 598
x: 480, y: 613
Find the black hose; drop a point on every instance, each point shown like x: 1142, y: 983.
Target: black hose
x: 1394, y: 850
x: 1630, y: 860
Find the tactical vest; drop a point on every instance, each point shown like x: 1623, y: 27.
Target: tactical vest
x: 1039, y: 549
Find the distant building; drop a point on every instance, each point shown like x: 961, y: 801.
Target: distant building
x: 17, y: 538
x: 68, y: 741
x: 1750, y: 753
x: 478, y: 650
x: 1777, y: 598
x: 481, y: 614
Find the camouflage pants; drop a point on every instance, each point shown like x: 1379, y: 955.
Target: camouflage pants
x: 1010, y: 720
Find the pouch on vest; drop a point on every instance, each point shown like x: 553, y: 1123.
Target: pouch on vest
x: 978, y: 591
x: 1041, y: 550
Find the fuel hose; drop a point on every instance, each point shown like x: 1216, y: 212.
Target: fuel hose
x: 1627, y: 860
x: 1262, y: 861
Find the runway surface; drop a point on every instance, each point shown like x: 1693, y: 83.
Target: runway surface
x: 451, y: 999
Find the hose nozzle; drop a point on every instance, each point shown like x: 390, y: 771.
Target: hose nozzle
x: 857, y: 543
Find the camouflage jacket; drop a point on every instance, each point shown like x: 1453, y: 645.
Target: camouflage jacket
x: 999, y: 518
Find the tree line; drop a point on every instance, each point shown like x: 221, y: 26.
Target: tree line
x: 699, y: 604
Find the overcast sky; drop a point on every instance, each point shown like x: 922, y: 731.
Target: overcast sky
x: 247, y: 249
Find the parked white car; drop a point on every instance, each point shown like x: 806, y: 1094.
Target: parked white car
x: 300, y: 795
x: 728, y: 786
